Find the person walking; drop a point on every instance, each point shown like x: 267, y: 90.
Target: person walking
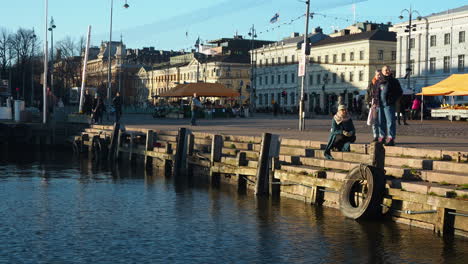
x: 275, y: 107
x: 390, y: 91
x: 415, y: 108
x: 117, y: 104
x: 98, y: 109
x: 401, y: 106
x: 342, y: 132
x: 195, y: 104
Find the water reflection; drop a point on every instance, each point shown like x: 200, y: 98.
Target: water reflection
x: 58, y: 209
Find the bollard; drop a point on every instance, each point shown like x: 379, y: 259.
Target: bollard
x: 444, y: 222
x: 216, y: 154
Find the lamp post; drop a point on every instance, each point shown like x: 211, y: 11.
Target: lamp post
x: 33, y: 39
x: 306, y: 52
x: 410, y: 27
x: 253, y: 34
x: 109, y: 47
x: 51, y: 28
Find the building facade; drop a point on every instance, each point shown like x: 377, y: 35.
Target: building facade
x: 339, y: 67
x: 438, y: 48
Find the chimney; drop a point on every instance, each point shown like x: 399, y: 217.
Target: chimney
x: 346, y: 32
x: 294, y: 34
x: 318, y: 30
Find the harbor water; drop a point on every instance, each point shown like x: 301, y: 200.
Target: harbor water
x: 56, y: 208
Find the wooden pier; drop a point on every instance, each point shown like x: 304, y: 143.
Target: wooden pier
x: 420, y: 187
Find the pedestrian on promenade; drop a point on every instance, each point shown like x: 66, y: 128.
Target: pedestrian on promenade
x: 390, y: 91
x: 98, y: 109
x: 372, y: 100
x: 342, y: 132
x: 87, y: 103
x: 415, y: 108
x: 275, y: 107
x: 117, y: 104
x: 195, y: 104
x: 401, y: 107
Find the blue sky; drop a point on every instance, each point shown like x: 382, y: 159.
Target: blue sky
x: 165, y: 24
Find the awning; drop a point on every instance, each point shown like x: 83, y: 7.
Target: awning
x: 456, y: 84
x: 201, y: 89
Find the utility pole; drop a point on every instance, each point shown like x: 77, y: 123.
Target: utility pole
x: 304, y: 60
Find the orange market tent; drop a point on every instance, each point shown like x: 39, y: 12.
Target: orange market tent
x: 201, y: 89
x: 455, y: 85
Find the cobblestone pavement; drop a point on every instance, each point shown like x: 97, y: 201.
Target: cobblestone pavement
x: 435, y: 134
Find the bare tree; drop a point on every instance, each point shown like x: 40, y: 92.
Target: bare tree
x: 5, y: 45
x: 69, y: 62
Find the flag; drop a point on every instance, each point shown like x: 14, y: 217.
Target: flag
x: 274, y: 19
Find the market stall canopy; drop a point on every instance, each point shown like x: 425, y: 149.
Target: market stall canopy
x: 455, y: 85
x: 201, y: 89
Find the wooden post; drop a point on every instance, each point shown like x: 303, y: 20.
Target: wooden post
x: 317, y: 196
x: 262, y: 183
x: 241, y: 160
x: 130, y: 153
x: 274, y: 188
x: 216, y: 154
x: 181, y: 149
x: 444, y: 224
x: 149, y: 147
x: 117, y: 147
x: 377, y: 155
x: 114, y: 135
x: 190, y: 146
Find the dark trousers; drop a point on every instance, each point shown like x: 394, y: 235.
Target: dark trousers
x: 118, y: 114
x: 403, y: 114
x: 340, y: 140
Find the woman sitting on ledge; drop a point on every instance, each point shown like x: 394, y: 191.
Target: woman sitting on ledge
x: 342, y: 133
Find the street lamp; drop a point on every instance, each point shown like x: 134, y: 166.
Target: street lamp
x: 33, y: 39
x: 51, y: 28
x: 410, y: 27
x: 109, y: 47
x: 253, y: 62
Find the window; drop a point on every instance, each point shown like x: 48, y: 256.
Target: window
x: 292, y: 58
x: 412, y: 43
x: 292, y: 77
x: 343, y: 56
x: 432, y: 65
x: 285, y: 101
x: 461, y: 63
x: 319, y: 78
x: 319, y: 59
x: 311, y: 79
x: 361, y: 55
x: 266, y: 80
x: 334, y: 77
x: 433, y: 41
x: 285, y: 78
x: 342, y: 77
x: 272, y: 61
x: 266, y: 99
x: 361, y: 76
x: 272, y: 79
x: 447, y: 38
x: 279, y: 60
x: 351, y: 56
x: 412, y: 66
x: 260, y: 63
x: 279, y: 79
x: 285, y: 59
x: 334, y: 58
x: 260, y: 80
x: 446, y: 64
x: 326, y: 58
x: 292, y: 98
x: 260, y: 100
x: 266, y: 62
x: 351, y: 76
x: 380, y: 54
x: 393, y: 55
x: 461, y: 37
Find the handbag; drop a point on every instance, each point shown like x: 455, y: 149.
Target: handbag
x: 372, y: 117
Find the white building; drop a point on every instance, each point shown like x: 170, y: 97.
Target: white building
x: 438, y: 48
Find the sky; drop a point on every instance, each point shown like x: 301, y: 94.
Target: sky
x: 176, y: 25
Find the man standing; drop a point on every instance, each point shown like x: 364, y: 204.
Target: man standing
x: 194, y: 106
x: 87, y: 103
x: 390, y: 92
x: 117, y: 104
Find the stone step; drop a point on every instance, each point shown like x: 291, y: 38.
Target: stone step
x: 288, y: 142
x: 330, y: 164
x: 321, y: 172
x: 424, y: 187
x: 450, y: 166
x: 404, y: 152
x: 399, y: 172
x: 416, y: 163
x: 167, y: 138
x: 345, y: 156
x: 296, y: 151
x: 444, y: 177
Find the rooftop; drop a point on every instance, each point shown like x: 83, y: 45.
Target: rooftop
x: 368, y: 35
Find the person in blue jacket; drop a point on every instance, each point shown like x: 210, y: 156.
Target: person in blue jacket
x: 390, y: 93
x: 342, y: 132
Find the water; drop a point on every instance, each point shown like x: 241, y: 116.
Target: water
x: 55, y: 209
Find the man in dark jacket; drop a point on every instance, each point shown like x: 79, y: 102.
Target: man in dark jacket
x: 87, y: 103
x: 117, y: 104
x: 390, y: 92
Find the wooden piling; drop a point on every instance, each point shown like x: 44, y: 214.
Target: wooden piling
x: 241, y: 160
x: 149, y: 147
x: 114, y: 139
x: 262, y: 182
x: 216, y: 154
x: 377, y: 155
x: 444, y: 222
x: 119, y: 142
x: 181, y: 155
